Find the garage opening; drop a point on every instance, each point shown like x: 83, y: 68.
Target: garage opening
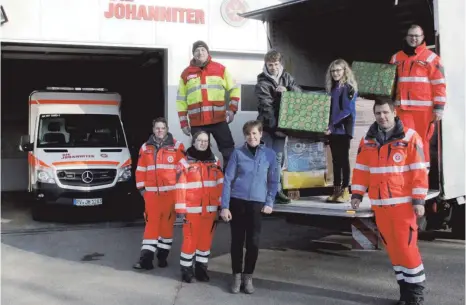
x: 137, y: 74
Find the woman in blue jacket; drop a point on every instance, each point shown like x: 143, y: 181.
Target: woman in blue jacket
x: 249, y: 188
x: 342, y: 86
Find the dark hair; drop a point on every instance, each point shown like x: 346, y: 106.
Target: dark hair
x: 197, y: 134
x: 248, y: 126
x: 160, y: 120
x: 379, y: 101
x: 273, y: 56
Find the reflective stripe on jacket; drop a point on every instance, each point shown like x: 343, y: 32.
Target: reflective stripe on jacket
x: 394, y: 171
x: 202, y: 184
x: 421, y: 81
x: 201, y: 94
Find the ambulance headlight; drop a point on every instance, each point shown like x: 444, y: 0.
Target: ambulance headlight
x: 125, y: 174
x: 45, y: 176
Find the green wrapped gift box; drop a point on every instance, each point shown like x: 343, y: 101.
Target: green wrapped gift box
x: 302, y: 111
x: 374, y: 79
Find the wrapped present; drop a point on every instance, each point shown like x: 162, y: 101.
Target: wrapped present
x: 303, y: 155
x: 300, y: 180
x: 300, y: 111
x: 374, y: 79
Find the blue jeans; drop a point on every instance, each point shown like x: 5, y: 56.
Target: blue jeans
x: 278, y: 146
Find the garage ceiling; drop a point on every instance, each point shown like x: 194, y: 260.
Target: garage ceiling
x: 57, y: 52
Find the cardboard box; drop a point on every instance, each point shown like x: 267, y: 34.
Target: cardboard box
x: 303, y: 155
x: 300, y: 180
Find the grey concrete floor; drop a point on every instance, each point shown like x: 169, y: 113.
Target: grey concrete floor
x: 91, y: 264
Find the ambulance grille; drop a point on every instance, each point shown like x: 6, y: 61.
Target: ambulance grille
x: 86, y: 177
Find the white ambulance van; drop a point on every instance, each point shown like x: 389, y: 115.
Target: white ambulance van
x: 78, y: 154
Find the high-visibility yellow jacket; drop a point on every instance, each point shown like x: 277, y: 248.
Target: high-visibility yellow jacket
x: 201, y: 94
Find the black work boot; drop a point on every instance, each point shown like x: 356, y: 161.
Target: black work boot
x: 402, y: 300
x: 201, y: 272
x: 281, y: 198
x: 162, y: 255
x: 187, y: 275
x: 414, y: 294
x: 145, y: 260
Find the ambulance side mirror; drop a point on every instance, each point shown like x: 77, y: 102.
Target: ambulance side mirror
x: 25, y: 144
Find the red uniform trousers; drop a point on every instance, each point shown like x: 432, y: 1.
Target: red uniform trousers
x: 160, y: 218
x: 422, y: 123
x: 198, y: 232
x: 398, y: 228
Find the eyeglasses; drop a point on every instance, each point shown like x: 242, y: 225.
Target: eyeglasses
x: 414, y: 36
x: 336, y: 70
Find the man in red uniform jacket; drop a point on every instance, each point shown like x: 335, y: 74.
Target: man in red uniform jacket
x: 157, y: 180
x: 421, y: 90
x: 390, y: 166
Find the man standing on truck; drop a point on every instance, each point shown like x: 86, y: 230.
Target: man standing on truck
x: 156, y: 180
x: 201, y: 98
x: 421, y: 89
x: 271, y: 83
x: 390, y: 162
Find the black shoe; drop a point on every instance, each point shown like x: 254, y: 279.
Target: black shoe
x: 145, y: 260
x: 416, y: 301
x: 162, y: 255
x: 162, y: 263
x: 281, y: 198
x: 187, y: 275
x: 201, y: 272
x: 143, y: 264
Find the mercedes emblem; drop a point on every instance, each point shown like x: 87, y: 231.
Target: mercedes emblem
x: 87, y: 177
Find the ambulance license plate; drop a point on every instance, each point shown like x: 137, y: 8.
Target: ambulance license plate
x: 87, y: 202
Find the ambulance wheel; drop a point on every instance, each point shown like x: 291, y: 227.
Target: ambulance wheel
x: 39, y: 212
x: 457, y: 221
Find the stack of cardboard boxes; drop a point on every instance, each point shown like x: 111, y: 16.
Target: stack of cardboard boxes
x: 305, y: 117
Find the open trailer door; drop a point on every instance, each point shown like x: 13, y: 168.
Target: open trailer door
x: 300, y: 29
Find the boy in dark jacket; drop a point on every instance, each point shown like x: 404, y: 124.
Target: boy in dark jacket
x: 270, y: 85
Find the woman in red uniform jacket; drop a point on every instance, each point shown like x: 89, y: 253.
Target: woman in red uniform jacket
x: 203, y: 182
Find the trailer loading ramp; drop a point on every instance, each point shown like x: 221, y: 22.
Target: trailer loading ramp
x: 316, y: 205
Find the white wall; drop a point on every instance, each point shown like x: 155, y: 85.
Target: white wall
x: 451, y: 17
x: 83, y: 22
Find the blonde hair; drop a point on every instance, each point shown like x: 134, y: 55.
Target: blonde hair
x: 348, y: 76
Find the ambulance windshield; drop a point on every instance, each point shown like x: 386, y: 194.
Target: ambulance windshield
x: 80, y: 130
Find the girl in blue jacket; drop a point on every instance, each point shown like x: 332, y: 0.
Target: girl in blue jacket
x: 249, y: 188
x: 342, y: 86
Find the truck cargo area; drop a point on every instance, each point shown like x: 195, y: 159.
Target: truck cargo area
x: 137, y: 74
x: 311, y: 34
